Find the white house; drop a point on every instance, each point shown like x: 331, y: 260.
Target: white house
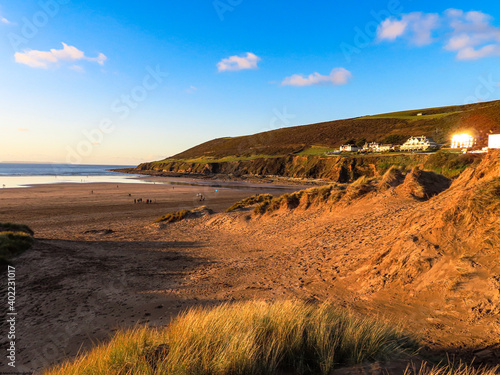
x: 421, y: 143
x: 349, y: 148
x: 385, y: 148
x: 371, y: 147
x: 494, y: 141
x: 377, y: 147
x: 463, y: 141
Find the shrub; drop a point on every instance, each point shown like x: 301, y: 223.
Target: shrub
x: 10, y: 227
x: 14, y: 240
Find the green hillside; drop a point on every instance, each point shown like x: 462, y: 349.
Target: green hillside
x: 439, y: 123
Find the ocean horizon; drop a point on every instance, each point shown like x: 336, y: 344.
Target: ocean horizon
x: 54, y: 169
x: 16, y: 175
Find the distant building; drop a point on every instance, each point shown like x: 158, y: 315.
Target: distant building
x: 349, y: 148
x: 377, y: 147
x: 386, y: 148
x: 421, y: 143
x: 371, y: 147
x: 463, y: 141
x: 494, y: 141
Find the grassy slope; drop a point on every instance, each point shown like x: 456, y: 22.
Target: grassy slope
x: 247, y: 338
x: 439, y: 123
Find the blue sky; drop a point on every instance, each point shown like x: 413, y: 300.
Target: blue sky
x: 125, y: 82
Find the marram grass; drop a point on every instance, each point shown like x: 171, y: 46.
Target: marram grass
x: 452, y: 368
x: 245, y: 338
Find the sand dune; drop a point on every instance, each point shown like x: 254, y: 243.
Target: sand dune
x: 386, y: 253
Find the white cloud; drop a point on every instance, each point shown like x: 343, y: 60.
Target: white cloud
x: 416, y: 26
x: 44, y: 59
x: 5, y: 20
x: 471, y: 35
x: 234, y: 63
x: 191, y: 89
x: 390, y: 29
x: 338, y: 76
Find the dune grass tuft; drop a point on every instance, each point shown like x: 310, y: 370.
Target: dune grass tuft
x: 258, y: 198
x: 303, y: 198
x: 173, y: 216
x: 480, y: 212
x: 246, y: 338
x: 452, y: 368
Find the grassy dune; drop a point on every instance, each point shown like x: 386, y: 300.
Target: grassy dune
x: 246, y: 338
x: 14, y: 240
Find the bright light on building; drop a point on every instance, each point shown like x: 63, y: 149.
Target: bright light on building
x: 494, y: 141
x: 462, y: 141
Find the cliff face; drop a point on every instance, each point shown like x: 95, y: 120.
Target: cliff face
x: 331, y: 168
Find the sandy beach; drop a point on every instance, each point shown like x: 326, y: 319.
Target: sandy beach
x: 98, y: 263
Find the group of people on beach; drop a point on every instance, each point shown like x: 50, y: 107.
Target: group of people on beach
x: 199, y: 196
x: 148, y: 201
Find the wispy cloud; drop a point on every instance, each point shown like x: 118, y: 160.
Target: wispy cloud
x: 338, y: 76
x: 191, y: 89
x: 5, y: 21
x: 53, y: 57
x: 77, y: 68
x: 471, y: 35
x: 23, y: 130
x: 235, y: 63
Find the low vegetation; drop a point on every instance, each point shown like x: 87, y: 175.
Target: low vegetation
x: 316, y: 150
x: 246, y: 338
x: 452, y: 369
x: 359, y: 188
x: 392, y: 178
x: 450, y: 165
x: 184, y: 214
x: 258, y: 198
x: 482, y: 207
x: 303, y: 198
x: 173, y: 216
x: 14, y: 240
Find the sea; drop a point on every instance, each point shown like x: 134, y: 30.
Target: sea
x: 23, y: 175
x: 18, y: 175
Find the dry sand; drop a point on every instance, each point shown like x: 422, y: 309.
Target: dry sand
x: 77, y: 288
x: 74, y: 289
